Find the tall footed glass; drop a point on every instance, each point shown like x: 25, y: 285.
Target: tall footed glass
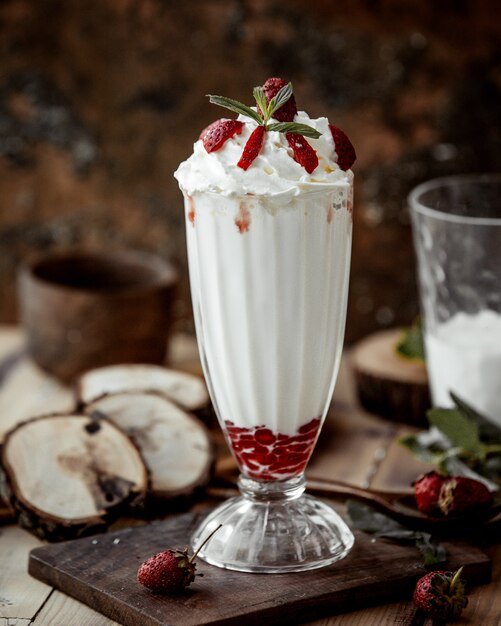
x: 269, y: 283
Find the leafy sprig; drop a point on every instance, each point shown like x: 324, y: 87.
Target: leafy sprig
x: 461, y: 442
x: 365, y: 518
x: 411, y: 344
x: 267, y: 109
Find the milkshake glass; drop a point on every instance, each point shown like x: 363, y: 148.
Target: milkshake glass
x: 269, y: 267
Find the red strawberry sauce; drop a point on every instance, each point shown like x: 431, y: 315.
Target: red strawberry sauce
x: 191, y: 210
x: 265, y: 455
x: 243, y: 219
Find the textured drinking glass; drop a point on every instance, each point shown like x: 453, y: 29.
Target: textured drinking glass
x: 457, y: 235
x: 269, y: 288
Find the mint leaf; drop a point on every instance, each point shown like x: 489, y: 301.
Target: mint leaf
x: 235, y: 106
x: 461, y: 431
x: 365, y: 518
x: 423, y: 451
x: 293, y: 127
x: 489, y: 431
x: 411, y: 344
x: 432, y: 553
x: 279, y: 99
x: 260, y: 99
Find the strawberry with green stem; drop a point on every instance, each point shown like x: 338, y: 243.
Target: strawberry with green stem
x: 441, y: 595
x: 170, y: 571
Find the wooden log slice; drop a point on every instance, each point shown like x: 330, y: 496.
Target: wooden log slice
x: 388, y: 384
x: 186, y: 390
x: 176, y: 446
x: 68, y: 475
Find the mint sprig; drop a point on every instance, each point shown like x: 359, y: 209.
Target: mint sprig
x: 267, y: 109
x: 411, y: 343
x: 236, y: 107
x: 462, y: 442
x: 293, y: 127
x: 365, y: 518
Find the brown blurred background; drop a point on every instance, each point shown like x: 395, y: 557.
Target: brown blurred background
x: 100, y: 100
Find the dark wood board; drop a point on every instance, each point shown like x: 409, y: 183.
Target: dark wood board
x: 101, y: 572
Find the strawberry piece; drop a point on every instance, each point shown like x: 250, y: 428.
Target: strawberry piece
x: 345, y: 151
x: 460, y: 495
x: 441, y: 595
x: 288, y: 111
x: 172, y: 570
x: 169, y: 571
x: 427, y: 491
x: 252, y: 147
x: 303, y: 152
x: 217, y: 133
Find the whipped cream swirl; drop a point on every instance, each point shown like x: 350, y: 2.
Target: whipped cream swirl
x: 274, y: 172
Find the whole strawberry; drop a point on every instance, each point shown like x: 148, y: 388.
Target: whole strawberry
x: 170, y: 571
x: 427, y: 492
x: 461, y: 495
x: 441, y: 595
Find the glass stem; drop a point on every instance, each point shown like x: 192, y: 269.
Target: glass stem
x: 264, y: 492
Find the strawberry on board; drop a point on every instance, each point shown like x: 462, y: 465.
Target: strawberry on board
x: 170, y: 571
x: 441, y: 595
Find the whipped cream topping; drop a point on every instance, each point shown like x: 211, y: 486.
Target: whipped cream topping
x: 274, y: 172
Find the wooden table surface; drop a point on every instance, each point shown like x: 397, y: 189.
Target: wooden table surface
x: 354, y: 446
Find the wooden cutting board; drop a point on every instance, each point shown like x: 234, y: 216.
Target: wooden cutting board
x: 101, y: 572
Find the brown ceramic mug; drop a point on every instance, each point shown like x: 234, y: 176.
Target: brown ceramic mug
x: 84, y: 309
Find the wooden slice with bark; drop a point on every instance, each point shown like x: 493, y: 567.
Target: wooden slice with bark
x: 387, y: 383
x: 67, y: 476
x: 176, y: 447
x: 185, y: 390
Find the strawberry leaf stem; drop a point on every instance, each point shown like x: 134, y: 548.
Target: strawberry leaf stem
x: 204, y: 542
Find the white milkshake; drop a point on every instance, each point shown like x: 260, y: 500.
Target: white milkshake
x: 269, y: 252
x: 268, y: 201
x: 464, y: 356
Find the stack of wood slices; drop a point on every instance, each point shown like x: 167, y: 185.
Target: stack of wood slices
x: 134, y: 442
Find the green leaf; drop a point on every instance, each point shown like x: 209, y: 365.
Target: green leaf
x: 365, y: 518
x: 260, y: 99
x: 293, y: 127
x: 488, y: 430
x: 237, y: 107
x: 424, y: 452
x: 433, y: 553
x: 279, y: 99
x: 461, y: 431
x: 411, y: 344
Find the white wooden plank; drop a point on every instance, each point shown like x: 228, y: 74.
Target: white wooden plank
x: 61, y: 610
x: 21, y: 596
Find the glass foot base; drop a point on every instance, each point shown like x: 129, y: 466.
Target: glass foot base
x: 273, y: 528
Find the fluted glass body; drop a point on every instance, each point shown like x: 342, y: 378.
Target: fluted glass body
x: 269, y: 288
x: 269, y: 284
